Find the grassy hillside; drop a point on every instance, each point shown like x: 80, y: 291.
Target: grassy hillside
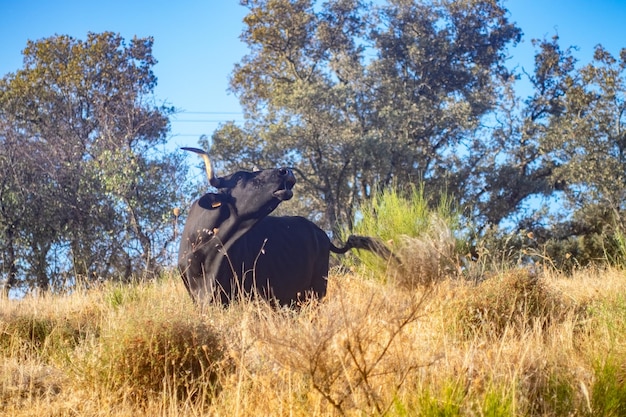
x: 516, y: 344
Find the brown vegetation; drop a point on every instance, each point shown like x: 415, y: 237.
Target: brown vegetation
x: 518, y: 343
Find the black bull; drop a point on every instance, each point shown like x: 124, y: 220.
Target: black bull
x: 230, y: 246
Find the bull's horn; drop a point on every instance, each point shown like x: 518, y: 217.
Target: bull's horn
x: 215, y: 182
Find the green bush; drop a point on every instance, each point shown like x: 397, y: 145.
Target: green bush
x: 420, y: 233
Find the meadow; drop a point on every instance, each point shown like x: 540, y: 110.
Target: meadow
x: 518, y: 342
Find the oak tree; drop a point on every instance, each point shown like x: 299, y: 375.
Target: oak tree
x: 359, y: 96
x: 95, y: 188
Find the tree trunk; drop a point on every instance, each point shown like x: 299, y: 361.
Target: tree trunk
x: 40, y: 268
x: 11, y: 280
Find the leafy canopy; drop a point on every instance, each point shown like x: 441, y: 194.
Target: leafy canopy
x: 85, y: 192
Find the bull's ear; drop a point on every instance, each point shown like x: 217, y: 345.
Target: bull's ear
x: 211, y: 201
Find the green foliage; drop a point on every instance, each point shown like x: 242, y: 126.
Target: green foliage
x: 420, y: 233
x: 616, y: 255
x: 358, y: 96
x: 608, y: 396
x: 444, y: 401
x: 608, y: 391
x: 611, y: 316
x: 586, y: 134
x: 118, y: 295
x: 498, y: 402
x: 393, y: 212
x: 566, y: 144
x: 558, y: 396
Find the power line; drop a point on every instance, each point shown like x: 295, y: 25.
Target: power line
x: 175, y: 120
x: 205, y: 120
x: 222, y: 116
x: 208, y: 112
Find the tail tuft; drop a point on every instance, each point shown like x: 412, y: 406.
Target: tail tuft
x: 368, y: 243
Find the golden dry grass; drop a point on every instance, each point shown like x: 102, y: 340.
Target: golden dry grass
x: 518, y: 344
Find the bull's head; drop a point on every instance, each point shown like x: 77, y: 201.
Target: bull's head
x: 250, y: 194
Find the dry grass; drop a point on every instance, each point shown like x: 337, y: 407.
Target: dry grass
x: 516, y: 344
x: 427, y: 258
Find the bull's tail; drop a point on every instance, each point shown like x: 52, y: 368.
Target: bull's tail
x: 368, y: 243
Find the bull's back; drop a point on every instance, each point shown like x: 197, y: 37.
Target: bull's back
x: 285, y: 256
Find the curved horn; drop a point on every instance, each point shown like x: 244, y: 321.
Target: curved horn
x: 215, y: 182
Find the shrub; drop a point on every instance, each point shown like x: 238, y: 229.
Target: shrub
x: 147, y: 352
x: 516, y: 300
x: 45, y: 335
x: 421, y: 235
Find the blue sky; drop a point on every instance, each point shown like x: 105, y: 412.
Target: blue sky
x: 197, y: 42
